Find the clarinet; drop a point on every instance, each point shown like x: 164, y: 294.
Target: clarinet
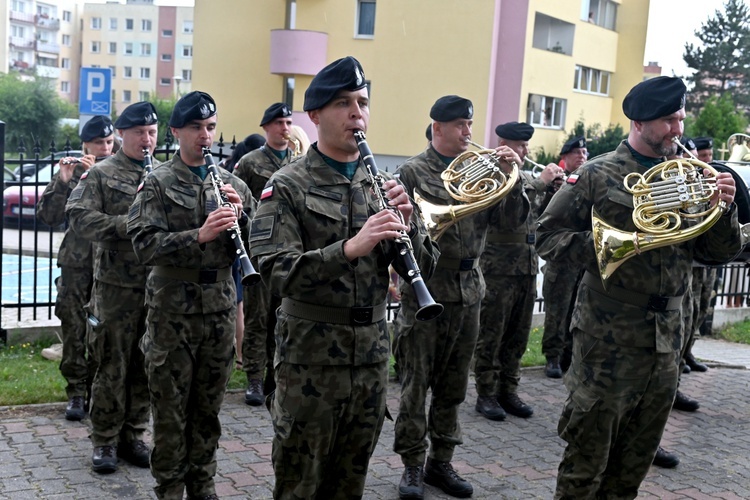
x: 428, y: 308
x: 148, y: 164
x: 249, y: 275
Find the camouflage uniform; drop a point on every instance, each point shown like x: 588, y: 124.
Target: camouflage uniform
x: 510, y: 265
x: 191, y: 299
x: 331, y: 374
x: 559, y: 290
x: 627, y: 339
x: 74, y: 285
x: 255, y: 168
x: 97, y: 210
x: 436, y: 354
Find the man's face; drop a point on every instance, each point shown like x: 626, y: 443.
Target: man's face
x: 520, y: 147
x: 276, y: 130
x: 658, y: 134
x: 101, y: 146
x: 574, y: 159
x: 337, y: 121
x: 706, y: 155
x: 452, y: 138
x: 135, y: 139
x: 193, y: 137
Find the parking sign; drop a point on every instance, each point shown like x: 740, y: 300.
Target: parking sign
x: 96, y: 91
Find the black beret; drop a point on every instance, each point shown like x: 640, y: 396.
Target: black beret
x: 196, y: 105
x: 428, y: 132
x: 254, y: 141
x: 98, y: 126
x: 278, y: 110
x: 451, y: 107
x: 341, y: 74
x: 140, y: 113
x: 654, y: 98
x: 703, y: 143
x: 687, y: 142
x: 514, y: 131
x: 574, y: 143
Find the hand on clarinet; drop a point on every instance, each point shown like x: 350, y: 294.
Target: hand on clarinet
x: 384, y: 225
x: 398, y: 199
x: 218, y: 221
x: 233, y: 197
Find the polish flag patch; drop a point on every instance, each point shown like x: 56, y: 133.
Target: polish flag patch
x: 84, y: 175
x: 266, y: 193
x: 572, y: 179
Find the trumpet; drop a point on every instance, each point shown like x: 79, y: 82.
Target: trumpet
x: 148, y: 164
x: 537, y: 168
x: 428, y: 308
x: 297, y: 147
x: 249, y: 275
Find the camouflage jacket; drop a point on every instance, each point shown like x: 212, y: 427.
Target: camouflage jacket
x: 97, y: 211
x: 164, y: 221
x: 463, y: 240
x: 307, y: 213
x: 564, y: 235
x: 256, y: 167
x: 74, y: 250
x: 510, y: 247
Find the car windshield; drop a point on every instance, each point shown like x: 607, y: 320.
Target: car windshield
x: 45, y: 174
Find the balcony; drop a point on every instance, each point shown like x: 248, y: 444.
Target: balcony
x: 49, y: 47
x: 47, y: 23
x: 21, y: 43
x: 21, y: 16
x: 47, y: 71
x: 298, y: 52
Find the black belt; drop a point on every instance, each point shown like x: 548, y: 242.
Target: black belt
x: 659, y: 303
x: 119, y: 245
x: 529, y: 239
x: 204, y: 276
x: 355, y: 316
x: 457, y: 264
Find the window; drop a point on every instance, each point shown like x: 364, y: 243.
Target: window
x: 142, y: 96
x: 112, y: 48
x: 114, y: 70
x: 96, y: 23
x: 18, y: 6
x: 591, y: 80
x: 553, y: 34
x: 187, y: 27
x: 44, y: 11
x: 166, y: 33
x: 66, y: 40
x: 113, y: 23
x: 127, y: 72
x: 128, y: 24
x: 125, y: 96
x: 166, y: 57
x: 546, y: 111
x: 187, y: 75
x: 128, y: 49
x: 65, y: 63
x: 145, y: 73
x: 187, y: 51
x: 145, y: 49
x: 65, y: 87
x: 145, y: 24
x: 165, y: 81
x: 365, y: 18
x: 600, y: 12
x: 96, y: 47
x: 46, y: 61
x: 67, y: 16
x: 18, y: 31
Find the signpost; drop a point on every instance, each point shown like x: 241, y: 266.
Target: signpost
x: 95, y: 97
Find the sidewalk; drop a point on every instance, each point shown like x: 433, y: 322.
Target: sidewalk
x: 43, y: 456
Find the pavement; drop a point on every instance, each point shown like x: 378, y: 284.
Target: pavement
x: 44, y: 456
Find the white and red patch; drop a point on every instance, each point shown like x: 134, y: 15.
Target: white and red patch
x: 572, y: 178
x: 266, y: 193
x: 84, y: 175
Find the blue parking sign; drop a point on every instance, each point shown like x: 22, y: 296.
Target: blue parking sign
x: 95, y: 97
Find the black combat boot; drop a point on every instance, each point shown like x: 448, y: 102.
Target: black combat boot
x: 490, y: 408
x: 136, y: 452
x: 104, y: 459
x: 694, y: 364
x: 665, y: 459
x: 685, y: 403
x: 552, y: 368
x: 512, y: 404
x: 254, y: 393
x: 75, y: 410
x: 443, y: 476
x: 411, y: 486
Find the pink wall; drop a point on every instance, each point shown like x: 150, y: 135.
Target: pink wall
x: 298, y: 52
x: 165, y: 45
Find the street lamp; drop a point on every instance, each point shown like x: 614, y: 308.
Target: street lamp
x: 177, y: 79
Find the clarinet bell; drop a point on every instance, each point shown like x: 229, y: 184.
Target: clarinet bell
x: 428, y: 308
x: 250, y: 276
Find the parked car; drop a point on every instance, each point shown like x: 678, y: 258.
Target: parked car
x: 8, y: 175
x: 29, y: 169
x: 20, y: 198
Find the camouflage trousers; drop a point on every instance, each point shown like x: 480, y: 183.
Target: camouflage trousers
x: 326, y: 420
x: 559, y: 292
x: 73, y: 293
x: 189, y: 361
x: 505, y: 324
x: 433, y: 355
x: 119, y: 407
x: 702, y: 286
x: 618, y: 404
x: 259, y: 342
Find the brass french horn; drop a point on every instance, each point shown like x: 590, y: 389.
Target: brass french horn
x: 474, y: 178
x: 663, y: 197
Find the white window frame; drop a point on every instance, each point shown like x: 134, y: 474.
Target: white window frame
x: 96, y: 47
x: 556, y: 106
x: 187, y: 51
x: 65, y: 87
x: 113, y: 24
x: 127, y: 72
x: 165, y: 81
x: 67, y: 16
x: 187, y: 75
x: 146, y: 49
x: 112, y: 48
x: 166, y: 57
x: 129, y: 24
x: 96, y: 23
x: 591, y: 80
x: 146, y: 25
x: 65, y: 63
x: 167, y: 33
x: 126, y: 96
x: 127, y: 49
x: 359, y: 31
x: 114, y: 71
x: 66, y: 40
x: 145, y: 73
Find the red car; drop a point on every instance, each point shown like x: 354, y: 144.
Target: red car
x: 19, y: 199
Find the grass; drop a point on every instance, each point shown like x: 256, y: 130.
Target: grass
x: 27, y: 378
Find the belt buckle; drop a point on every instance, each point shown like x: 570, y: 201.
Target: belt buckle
x: 466, y: 265
x: 207, y: 275
x: 361, y: 315
x: 658, y: 303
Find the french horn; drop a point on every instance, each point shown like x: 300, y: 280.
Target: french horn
x: 664, y: 197
x: 474, y: 178
x: 737, y: 144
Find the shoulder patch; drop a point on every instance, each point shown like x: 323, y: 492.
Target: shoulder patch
x: 135, y: 209
x: 84, y: 175
x: 266, y: 193
x: 140, y: 186
x: 572, y: 178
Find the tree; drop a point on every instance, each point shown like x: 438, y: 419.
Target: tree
x: 718, y: 119
x: 31, y: 110
x: 164, y: 109
x: 722, y: 60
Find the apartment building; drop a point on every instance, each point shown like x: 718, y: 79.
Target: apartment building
x: 546, y: 63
